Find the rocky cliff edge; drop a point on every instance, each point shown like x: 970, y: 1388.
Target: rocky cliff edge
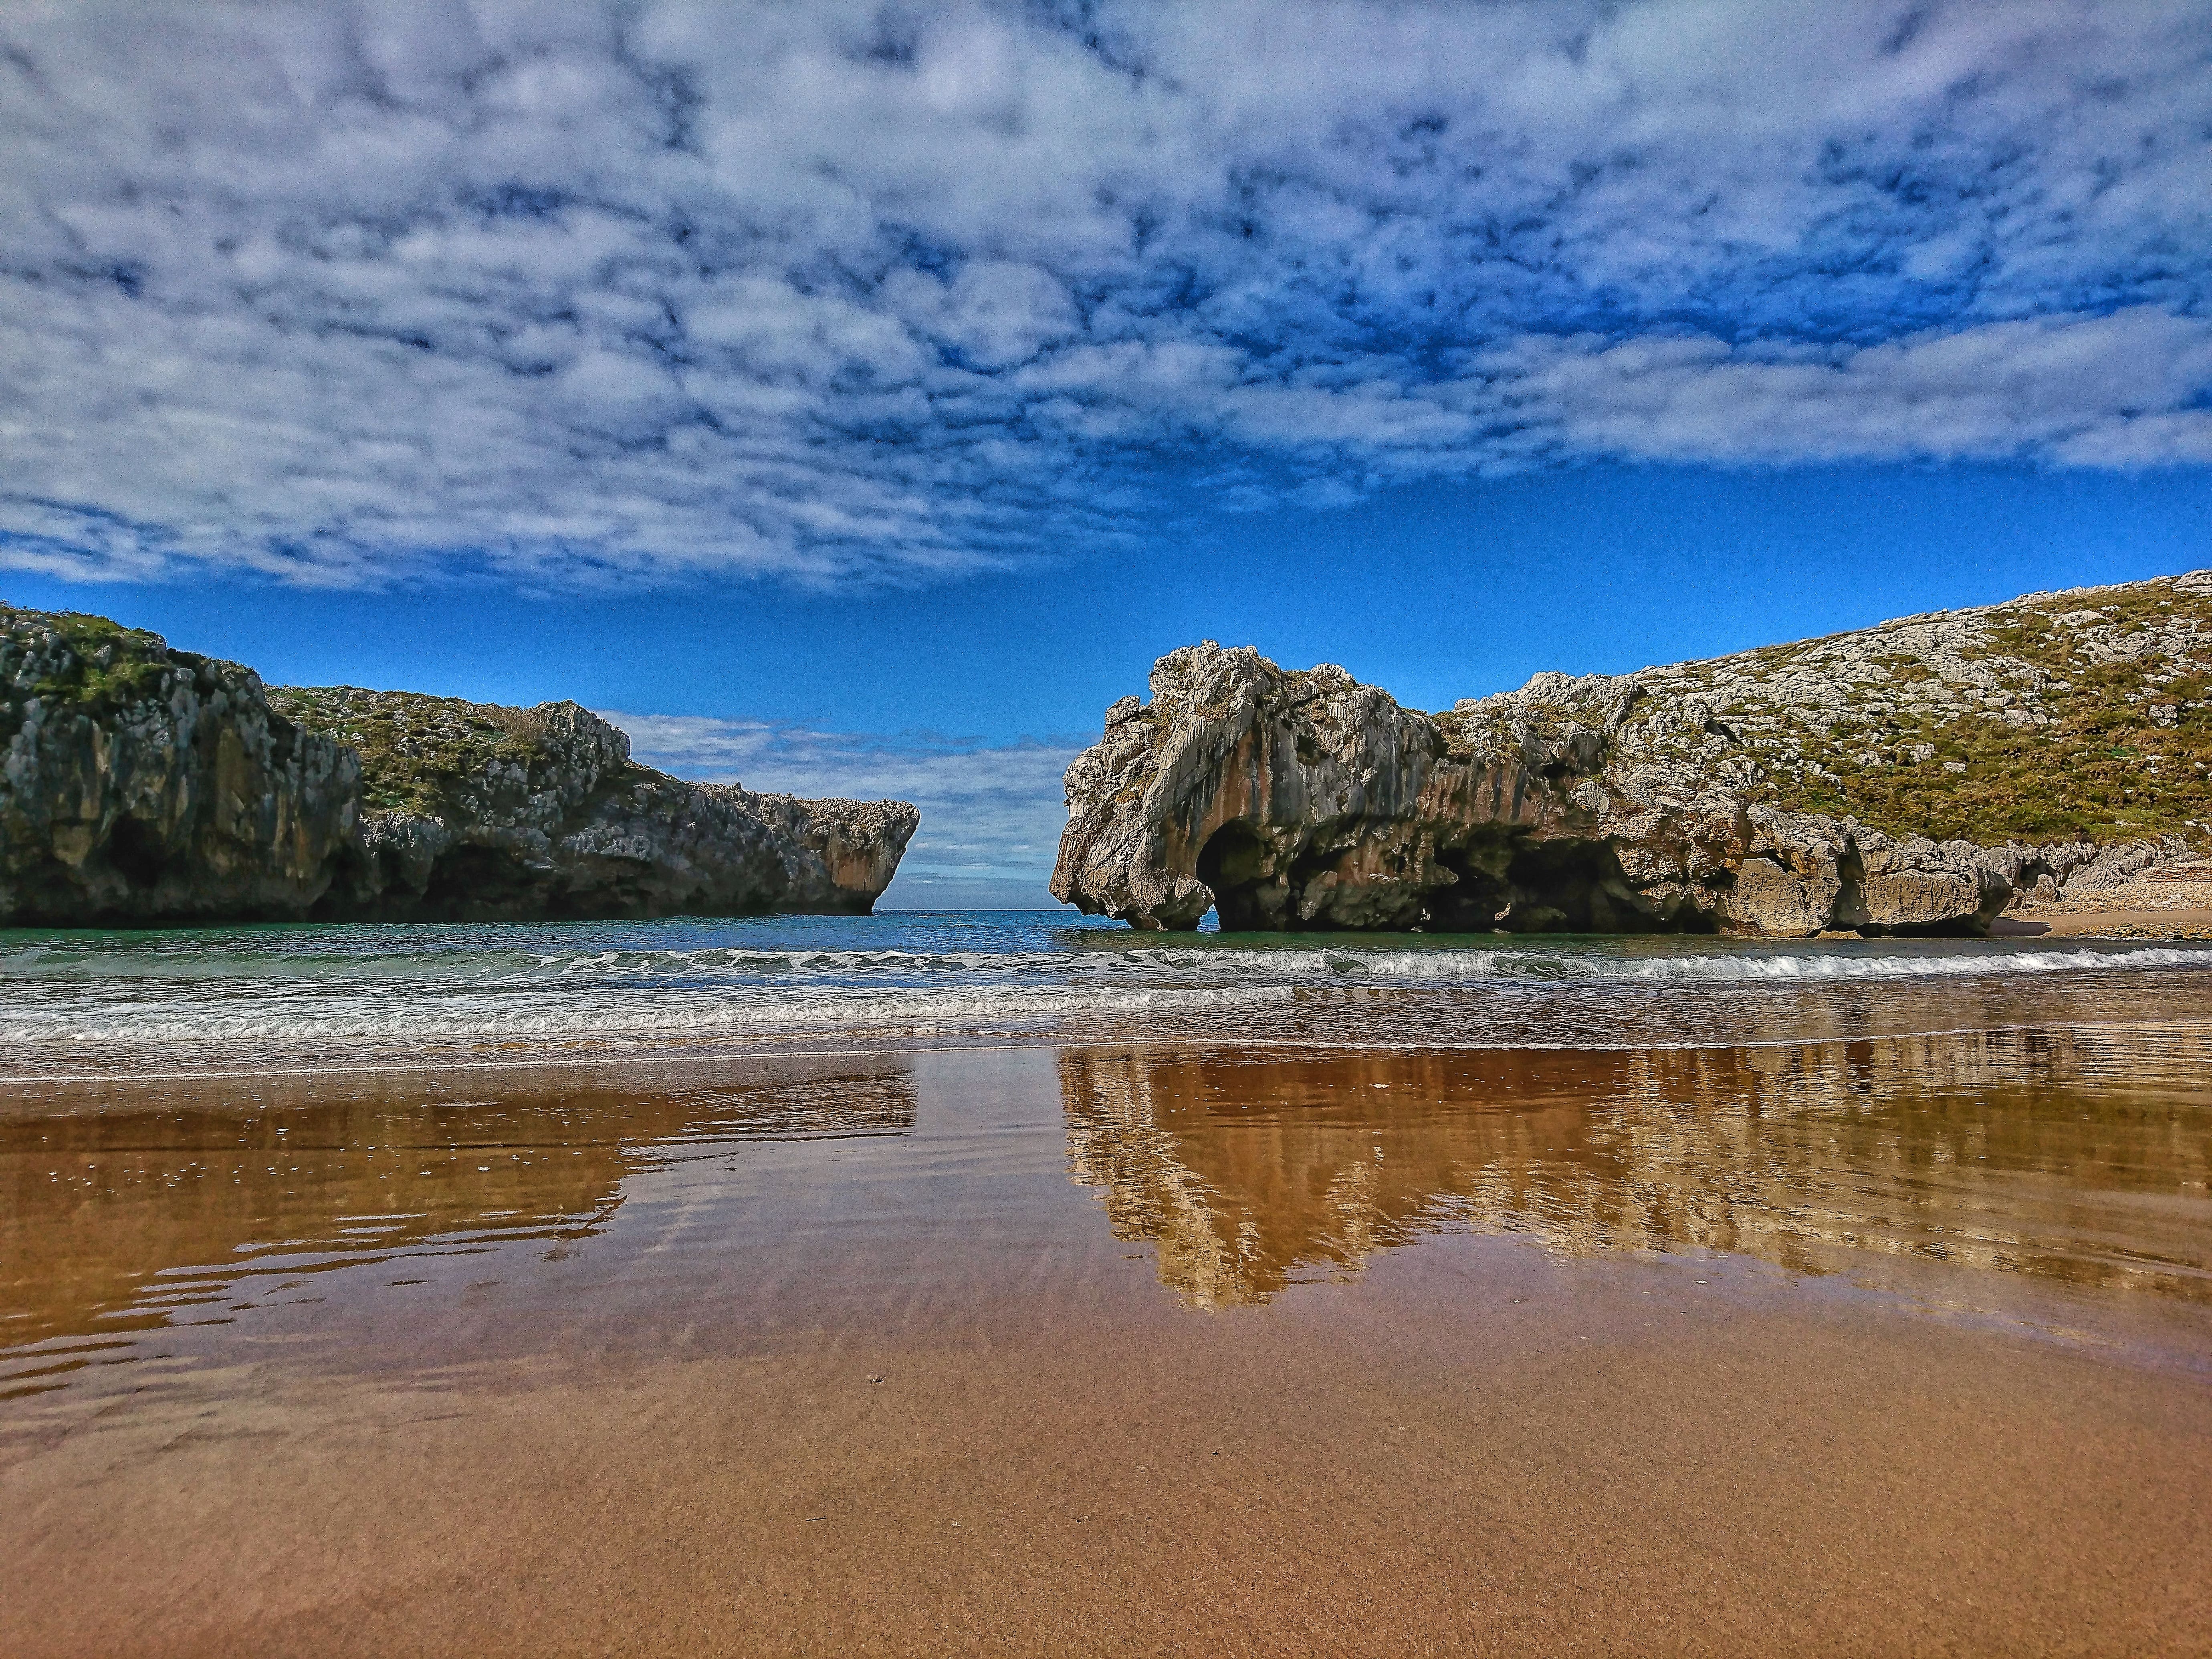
x: 1913, y: 778
x: 144, y: 786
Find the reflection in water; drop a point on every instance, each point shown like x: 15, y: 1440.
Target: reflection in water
x: 166, y: 1208
x: 2074, y: 1154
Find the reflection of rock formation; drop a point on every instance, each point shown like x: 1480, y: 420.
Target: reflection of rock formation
x: 2079, y: 1154
x: 157, y: 1209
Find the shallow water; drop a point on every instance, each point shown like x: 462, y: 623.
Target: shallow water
x: 255, y: 998
x: 184, y: 1220
x: 595, y: 1216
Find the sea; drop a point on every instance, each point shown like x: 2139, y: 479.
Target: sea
x: 88, y: 1004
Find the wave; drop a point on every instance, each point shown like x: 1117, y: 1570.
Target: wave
x: 1748, y: 968
x: 690, y: 976
x: 1240, y: 962
x: 916, y: 1012
x: 1307, y: 964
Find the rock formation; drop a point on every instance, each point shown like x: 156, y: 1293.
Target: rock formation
x: 1910, y: 778
x: 473, y: 812
x: 140, y: 782
x: 144, y: 786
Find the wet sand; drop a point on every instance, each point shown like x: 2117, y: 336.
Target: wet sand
x: 2192, y: 922
x: 1899, y: 1345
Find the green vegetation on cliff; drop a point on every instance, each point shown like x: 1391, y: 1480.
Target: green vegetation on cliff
x: 87, y: 664
x: 147, y: 787
x: 418, y: 753
x: 2079, y: 716
x: 2118, y: 745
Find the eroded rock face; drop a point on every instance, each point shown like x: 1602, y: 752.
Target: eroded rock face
x: 141, y: 784
x: 1292, y: 800
x: 144, y: 786
x: 478, y: 812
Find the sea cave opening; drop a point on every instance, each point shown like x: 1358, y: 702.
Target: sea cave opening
x: 1564, y: 886
x: 1235, y: 863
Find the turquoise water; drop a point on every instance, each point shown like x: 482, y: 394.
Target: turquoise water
x: 78, y: 999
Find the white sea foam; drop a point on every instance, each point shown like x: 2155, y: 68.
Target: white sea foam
x: 1470, y: 966
x: 911, y: 1011
x: 776, y: 975
x: 1246, y: 964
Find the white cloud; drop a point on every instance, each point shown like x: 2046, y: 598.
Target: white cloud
x: 2099, y: 390
x: 585, y: 293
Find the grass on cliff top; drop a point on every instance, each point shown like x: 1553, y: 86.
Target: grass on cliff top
x: 2104, y: 769
x: 2098, y: 773
x: 418, y: 753
x: 108, y: 666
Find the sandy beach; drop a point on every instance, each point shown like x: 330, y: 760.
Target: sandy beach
x: 1892, y: 1347
x: 1081, y: 828
x: 2171, y: 901
x: 2031, y: 922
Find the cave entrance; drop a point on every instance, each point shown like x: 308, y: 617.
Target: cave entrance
x: 1572, y: 887
x: 1549, y: 887
x: 1236, y: 864
x: 136, y: 853
x: 471, y: 882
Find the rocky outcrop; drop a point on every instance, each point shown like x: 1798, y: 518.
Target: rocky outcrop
x: 1710, y: 796
x: 142, y: 783
x: 474, y: 811
x: 144, y: 786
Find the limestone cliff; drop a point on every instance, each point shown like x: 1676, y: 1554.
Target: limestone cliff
x: 143, y: 783
x: 476, y: 811
x: 144, y: 786
x: 1910, y: 778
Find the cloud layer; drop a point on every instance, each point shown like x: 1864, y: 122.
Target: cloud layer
x: 589, y: 292
x: 991, y: 815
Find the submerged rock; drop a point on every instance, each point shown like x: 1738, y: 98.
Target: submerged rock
x: 1910, y: 778
x: 144, y: 786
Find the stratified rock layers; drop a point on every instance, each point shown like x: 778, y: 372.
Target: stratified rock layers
x: 1652, y: 802
x: 143, y: 786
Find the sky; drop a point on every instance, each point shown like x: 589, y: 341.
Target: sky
x: 856, y: 398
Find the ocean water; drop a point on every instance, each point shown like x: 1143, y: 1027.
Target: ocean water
x: 77, y: 1003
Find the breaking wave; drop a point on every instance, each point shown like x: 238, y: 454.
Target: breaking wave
x: 908, y: 1012
x: 918, y: 977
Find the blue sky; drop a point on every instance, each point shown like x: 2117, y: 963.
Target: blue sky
x: 858, y: 398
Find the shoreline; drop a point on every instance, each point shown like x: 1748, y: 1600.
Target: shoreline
x: 2134, y: 924
x: 1774, y: 996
